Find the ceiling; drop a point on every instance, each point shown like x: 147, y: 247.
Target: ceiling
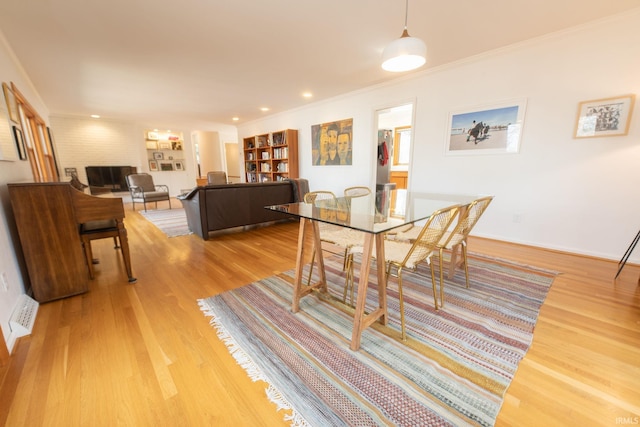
x: 210, y: 60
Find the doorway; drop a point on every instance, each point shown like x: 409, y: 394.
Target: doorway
x: 394, y: 126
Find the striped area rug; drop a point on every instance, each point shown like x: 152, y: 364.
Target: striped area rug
x: 172, y: 222
x: 453, y: 370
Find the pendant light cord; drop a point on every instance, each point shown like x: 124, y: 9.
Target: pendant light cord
x: 406, y: 13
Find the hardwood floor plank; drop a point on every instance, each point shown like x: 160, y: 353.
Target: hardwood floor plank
x: 145, y: 354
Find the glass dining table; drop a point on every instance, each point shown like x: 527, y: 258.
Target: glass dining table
x: 375, y: 215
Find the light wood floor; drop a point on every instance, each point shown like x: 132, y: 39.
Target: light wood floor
x: 144, y: 354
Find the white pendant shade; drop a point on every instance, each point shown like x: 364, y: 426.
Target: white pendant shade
x: 404, y: 54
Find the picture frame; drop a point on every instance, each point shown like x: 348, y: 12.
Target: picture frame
x: 178, y: 165
x: 22, y: 151
x: 165, y: 166
x: 153, y: 165
x: 158, y: 155
x: 12, y: 103
x: 604, y: 117
x: 331, y: 143
x: 152, y: 136
x: 486, y: 129
x: 164, y: 145
x: 152, y: 145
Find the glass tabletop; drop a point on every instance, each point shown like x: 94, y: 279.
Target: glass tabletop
x: 377, y: 212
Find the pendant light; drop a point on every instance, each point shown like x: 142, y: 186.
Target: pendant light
x: 406, y: 53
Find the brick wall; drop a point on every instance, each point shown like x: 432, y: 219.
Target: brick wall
x: 83, y: 142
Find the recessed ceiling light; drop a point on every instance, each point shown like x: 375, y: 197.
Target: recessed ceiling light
x: 235, y: 119
x: 264, y: 109
x: 307, y: 94
x: 95, y: 116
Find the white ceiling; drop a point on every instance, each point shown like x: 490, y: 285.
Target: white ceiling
x: 210, y: 60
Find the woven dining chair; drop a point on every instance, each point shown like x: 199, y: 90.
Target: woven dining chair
x: 457, y: 237
x: 329, y: 233
x: 404, y: 254
x: 454, y: 239
x: 357, y: 191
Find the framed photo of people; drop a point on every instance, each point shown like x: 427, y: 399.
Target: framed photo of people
x: 604, y: 117
x: 331, y: 143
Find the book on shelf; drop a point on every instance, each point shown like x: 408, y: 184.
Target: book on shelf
x: 279, y: 138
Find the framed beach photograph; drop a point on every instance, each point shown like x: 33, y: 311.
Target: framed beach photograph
x: 487, y: 129
x: 604, y: 117
x: 178, y: 165
x: 153, y: 165
x: 158, y: 155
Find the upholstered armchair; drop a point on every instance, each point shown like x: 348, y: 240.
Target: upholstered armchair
x: 143, y: 190
x: 217, y: 177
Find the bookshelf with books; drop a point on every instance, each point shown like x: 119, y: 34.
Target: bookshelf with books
x: 271, y: 157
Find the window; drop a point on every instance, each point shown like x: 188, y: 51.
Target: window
x: 37, y: 139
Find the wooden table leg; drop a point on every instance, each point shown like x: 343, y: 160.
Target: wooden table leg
x: 360, y: 321
x: 382, y: 277
x: 299, y: 290
x: 297, y: 285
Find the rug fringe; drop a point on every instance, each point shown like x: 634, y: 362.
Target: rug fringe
x: 253, y: 371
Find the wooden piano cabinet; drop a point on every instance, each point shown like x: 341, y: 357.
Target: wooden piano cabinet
x: 52, y: 249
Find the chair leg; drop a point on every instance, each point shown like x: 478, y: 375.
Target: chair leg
x: 116, y: 245
x: 440, y: 254
x: 466, y: 266
x: 313, y: 258
x: 433, y: 284
x: 89, y: 256
x: 344, y: 259
x: 348, y: 285
x: 401, y: 301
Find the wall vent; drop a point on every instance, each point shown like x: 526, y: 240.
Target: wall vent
x: 24, y: 316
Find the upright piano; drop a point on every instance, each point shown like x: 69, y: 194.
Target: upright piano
x: 48, y: 216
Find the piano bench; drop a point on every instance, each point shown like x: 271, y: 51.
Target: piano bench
x: 93, y: 230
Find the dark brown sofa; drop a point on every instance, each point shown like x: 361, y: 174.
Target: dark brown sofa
x: 220, y: 206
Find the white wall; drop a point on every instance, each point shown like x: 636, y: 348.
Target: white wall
x: 81, y: 142
x: 12, y: 171
x: 562, y: 193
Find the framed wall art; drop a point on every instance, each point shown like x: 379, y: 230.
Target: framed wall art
x: 331, y: 143
x: 158, y: 155
x: 178, y: 165
x: 22, y: 151
x: 486, y: 129
x: 12, y: 103
x: 153, y: 165
x: 165, y: 165
x: 604, y: 117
